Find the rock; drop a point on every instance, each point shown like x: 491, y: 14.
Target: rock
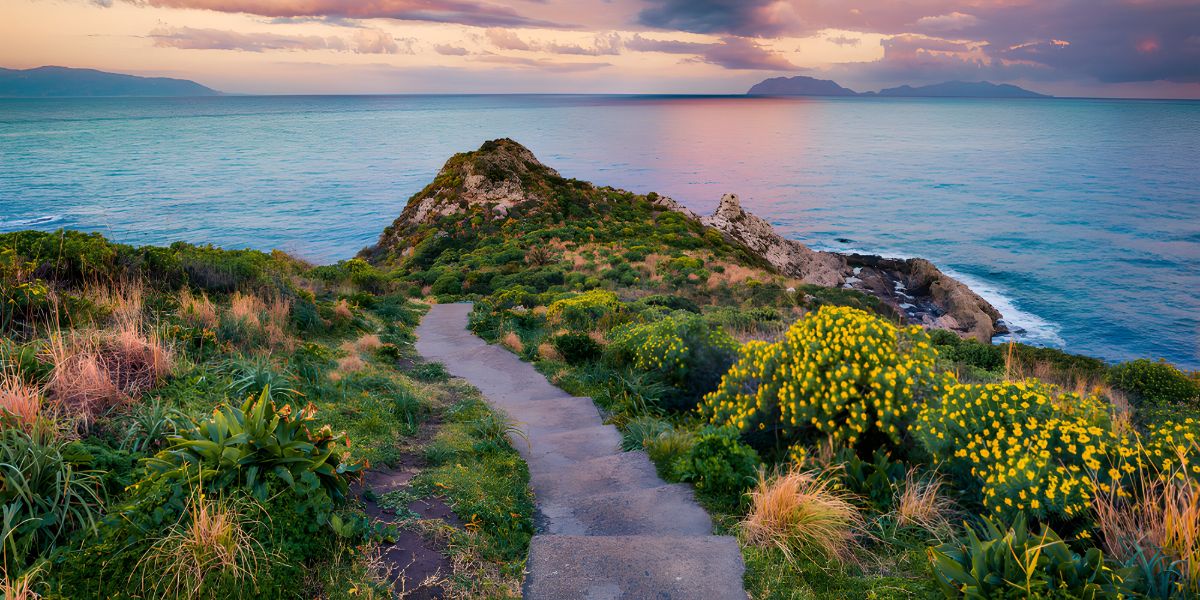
x: 789, y: 256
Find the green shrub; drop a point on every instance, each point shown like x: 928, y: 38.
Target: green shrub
x: 683, y: 349
x: 583, y: 311
x: 254, y: 445
x: 1020, y: 564
x: 719, y: 465
x: 875, y: 481
x: 577, y: 348
x: 1154, y: 382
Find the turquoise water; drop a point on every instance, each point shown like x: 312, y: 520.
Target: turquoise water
x: 1080, y: 219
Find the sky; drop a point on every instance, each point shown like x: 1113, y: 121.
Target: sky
x: 1110, y: 48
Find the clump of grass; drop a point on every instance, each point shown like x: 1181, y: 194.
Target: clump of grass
x: 208, y: 549
x: 197, y: 311
x: 548, y: 352
x: 19, y: 587
x: 246, y: 309
x: 342, y: 311
x: 512, y: 341
x: 20, y: 400
x: 803, y: 513
x: 79, y: 382
x: 920, y: 503
x: 367, y: 343
x: 1161, y: 518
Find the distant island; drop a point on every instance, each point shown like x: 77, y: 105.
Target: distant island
x: 811, y: 86
x: 44, y: 82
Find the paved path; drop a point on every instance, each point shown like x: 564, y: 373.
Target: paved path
x: 608, y: 527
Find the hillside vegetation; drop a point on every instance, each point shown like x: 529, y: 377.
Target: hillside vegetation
x: 191, y: 422
x: 854, y: 455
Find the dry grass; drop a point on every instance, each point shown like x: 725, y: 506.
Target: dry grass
x: 342, y: 310
x: 197, y: 311
x: 23, y: 402
x: 347, y: 365
x: 1162, y: 516
x: 97, y: 370
x: 211, y: 546
x: 512, y: 341
x: 246, y: 309
x: 19, y: 587
x: 548, y: 352
x: 368, y: 343
x: 804, y: 513
x: 921, y: 504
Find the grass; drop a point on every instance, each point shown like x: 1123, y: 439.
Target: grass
x: 20, y: 399
x: 804, y: 514
x: 208, y: 553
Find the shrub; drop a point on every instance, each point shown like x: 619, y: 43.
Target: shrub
x: 1155, y: 382
x: 803, y: 514
x: 251, y: 446
x: 583, y: 311
x: 683, y: 349
x: 1026, y: 447
x: 46, y: 493
x: 577, y: 348
x: 1017, y: 563
x: 839, y: 373
x: 719, y: 465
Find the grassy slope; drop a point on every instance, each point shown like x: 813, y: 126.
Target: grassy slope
x: 342, y: 344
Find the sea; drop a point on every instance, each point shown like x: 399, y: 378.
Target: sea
x: 1079, y: 219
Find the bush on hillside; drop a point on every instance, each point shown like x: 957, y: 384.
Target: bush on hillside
x: 684, y: 350
x: 1154, y: 381
x: 719, y: 465
x: 839, y: 373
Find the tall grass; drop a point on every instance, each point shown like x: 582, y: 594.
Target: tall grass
x: 197, y: 311
x: 805, y: 514
x: 19, y: 400
x: 1160, y: 516
x: 920, y: 503
x: 209, y: 549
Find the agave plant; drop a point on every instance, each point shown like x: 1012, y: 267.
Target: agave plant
x: 1017, y: 563
x: 255, y: 444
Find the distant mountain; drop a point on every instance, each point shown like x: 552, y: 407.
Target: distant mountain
x: 961, y: 89
x: 799, y: 86
x: 809, y: 86
x: 43, y: 82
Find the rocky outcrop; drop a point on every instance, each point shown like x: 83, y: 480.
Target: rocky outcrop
x: 917, y: 289
x: 913, y: 288
x: 789, y: 256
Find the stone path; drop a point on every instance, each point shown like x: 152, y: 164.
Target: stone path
x: 608, y: 527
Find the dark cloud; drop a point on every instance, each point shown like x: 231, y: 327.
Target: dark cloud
x: 464, y: 12
x: 506, y: 40
x: 731, y: 52
x: 363, y: 41
x: 842, y: 40
x: 1106, y: 40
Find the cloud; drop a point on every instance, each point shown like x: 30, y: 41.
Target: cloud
x: 465, y: 12
x: 364, y: 41
x: 543, y: 65
x: 731, y: 52
x: 1109, y: 40
x: 450, y: 50
x: 843, y: 40
x: 505, y: 39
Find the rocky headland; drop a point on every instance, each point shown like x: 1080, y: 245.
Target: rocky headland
x: 503, y: 180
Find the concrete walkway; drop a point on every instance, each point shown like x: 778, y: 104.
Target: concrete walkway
x: 608, y: 527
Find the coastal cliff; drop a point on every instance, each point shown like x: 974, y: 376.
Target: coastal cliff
x: 503, y: 182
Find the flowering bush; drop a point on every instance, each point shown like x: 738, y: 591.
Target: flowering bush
x: 1174, y: 446
x: 685, y: 350
x: 583, y: 311
x: 1026, y: 447
x: 839, y: 372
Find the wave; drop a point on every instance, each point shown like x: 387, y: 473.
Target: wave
x: 1026, y: 327
x: 33, y: 221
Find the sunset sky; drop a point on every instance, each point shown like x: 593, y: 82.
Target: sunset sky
x: 1135, y: 48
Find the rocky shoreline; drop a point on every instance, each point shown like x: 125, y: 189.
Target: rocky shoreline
x: 914, y: 288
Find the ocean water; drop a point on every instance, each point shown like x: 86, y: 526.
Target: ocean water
x: 1079, y: 219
